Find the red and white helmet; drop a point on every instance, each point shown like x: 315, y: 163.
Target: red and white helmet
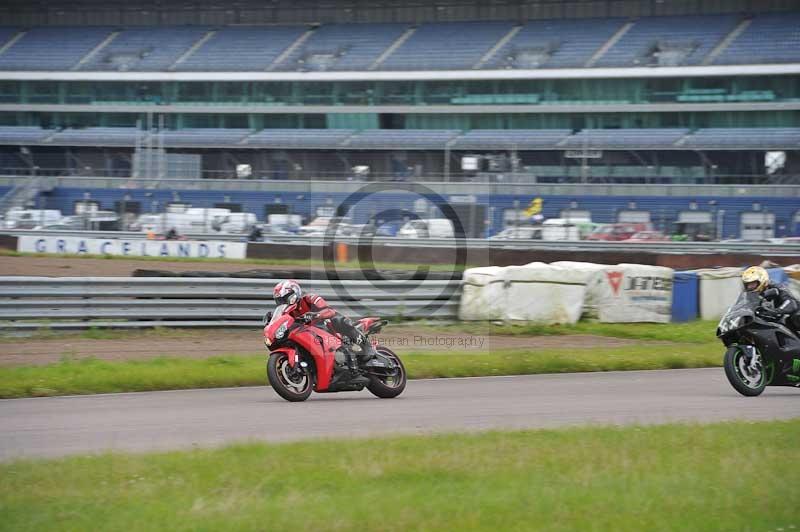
x: 287, y: 292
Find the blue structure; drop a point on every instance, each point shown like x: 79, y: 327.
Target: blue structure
x: 685, y: 296
x: 550, y: 43
x: 604, y: 209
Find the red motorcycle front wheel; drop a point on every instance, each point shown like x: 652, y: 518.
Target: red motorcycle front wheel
x: 292, y: 383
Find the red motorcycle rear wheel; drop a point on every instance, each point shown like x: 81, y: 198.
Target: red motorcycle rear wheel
x: 389, y: 386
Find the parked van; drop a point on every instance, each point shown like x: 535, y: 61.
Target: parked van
x: 319, y: 226
x: 285, y: 220
x: 235, y: 222
x: 30, y: 218
x: 193, y: 221
x: 89, y: 221
x: 560, y: 229
x: 430, y: 228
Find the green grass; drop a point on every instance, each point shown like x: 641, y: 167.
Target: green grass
x: 691, y: 332
x: 728, y: 476
x: 694, y: 331
x: 88, y: 376
x: 304, y: 263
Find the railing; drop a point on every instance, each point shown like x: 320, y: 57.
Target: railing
x: 569, y: 175
x: 432, y: 182
x: 778, y: 247
x: 120, y: 302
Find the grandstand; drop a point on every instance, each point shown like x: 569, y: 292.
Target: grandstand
x: 540, y: 93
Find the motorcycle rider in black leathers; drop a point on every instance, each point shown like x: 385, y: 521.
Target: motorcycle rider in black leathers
x: 783, y: 303
x: 784, y: 306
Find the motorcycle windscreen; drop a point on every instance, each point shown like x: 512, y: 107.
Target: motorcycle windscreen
x: 277, y: 313
x: 744, y: 307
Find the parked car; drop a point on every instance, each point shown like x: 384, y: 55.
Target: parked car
x: 693, y: 232
x: 519, y: 232
x: 648, y: 236
x: 618, y: 231
x: 427, y: 228
x: 786, y: 240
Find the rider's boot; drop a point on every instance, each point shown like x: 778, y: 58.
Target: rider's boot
x: 352, y: 362
x: 367, y: 352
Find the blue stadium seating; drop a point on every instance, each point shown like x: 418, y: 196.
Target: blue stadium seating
x: 745, y: 138
x: 505, y: 139
x: 770, y: 38
x: 447, y: 45
x: 298, y: 138
x: 626, y: 138
x: 211, y: 137
x: 414, y: 139
x: 145, y: 49
x: 96, y: 136
x: 560, y: 43
x: 343, y: 47
x: 56, y: 48
x: 242, y: 49
x: 6, y: 34
x: 23, y: 134
x: 410, y: 139
x: 697, y: 34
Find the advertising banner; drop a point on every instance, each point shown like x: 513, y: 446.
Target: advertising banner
x: 629, y: 293
x: 75, y: 245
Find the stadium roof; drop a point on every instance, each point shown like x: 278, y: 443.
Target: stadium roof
x: 204, y: 12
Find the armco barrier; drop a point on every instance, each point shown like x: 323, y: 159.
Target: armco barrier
x: 82, y: 302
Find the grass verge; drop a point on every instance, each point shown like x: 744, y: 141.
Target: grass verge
x: 727, y: 476
x: 304, y: 263
x: 691, y: 332
x: 88, y: 376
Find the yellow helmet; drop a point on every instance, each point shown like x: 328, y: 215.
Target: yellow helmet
x: 755, y: 279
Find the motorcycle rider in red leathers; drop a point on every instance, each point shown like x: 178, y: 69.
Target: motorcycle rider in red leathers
x: 309, y: 307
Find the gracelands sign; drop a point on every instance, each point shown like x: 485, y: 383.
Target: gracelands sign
x: 71, y: 245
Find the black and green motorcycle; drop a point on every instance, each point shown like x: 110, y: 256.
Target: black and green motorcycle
x: 760, y: 352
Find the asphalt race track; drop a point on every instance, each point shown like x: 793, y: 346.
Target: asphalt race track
x: 182, y: 419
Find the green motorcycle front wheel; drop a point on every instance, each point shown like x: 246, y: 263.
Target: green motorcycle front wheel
x: 746, y: 378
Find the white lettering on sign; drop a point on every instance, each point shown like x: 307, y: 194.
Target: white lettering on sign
x: 73, y: 245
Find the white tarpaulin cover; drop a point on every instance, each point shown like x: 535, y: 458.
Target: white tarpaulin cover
x: 543, y: 293
x: 719, y: 288
x: 628, y: 293
x: 482, y: 296
x: 536, y: 292
x: 588, y: 269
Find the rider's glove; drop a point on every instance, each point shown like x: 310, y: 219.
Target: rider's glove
x: 766, y: 314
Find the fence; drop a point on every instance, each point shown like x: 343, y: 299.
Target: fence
x: 777, y: 248
x: 122, y: 302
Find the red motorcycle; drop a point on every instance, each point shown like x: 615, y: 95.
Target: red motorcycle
x: 305, y: 355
